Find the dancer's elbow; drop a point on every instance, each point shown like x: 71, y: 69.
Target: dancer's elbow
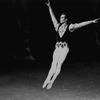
x: 72, y: 27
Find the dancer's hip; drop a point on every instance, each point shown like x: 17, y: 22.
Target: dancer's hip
x: 61, y: 44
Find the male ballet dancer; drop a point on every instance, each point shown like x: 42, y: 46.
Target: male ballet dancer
x: 61, y: 47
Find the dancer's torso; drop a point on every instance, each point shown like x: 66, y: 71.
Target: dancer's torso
x: 63, y: 33
x: 62, y: 36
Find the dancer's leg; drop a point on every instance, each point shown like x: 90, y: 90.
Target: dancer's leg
x: 53, y: 66
x: 62, y: 57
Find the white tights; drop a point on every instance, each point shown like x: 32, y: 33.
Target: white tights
x: 59, y: 56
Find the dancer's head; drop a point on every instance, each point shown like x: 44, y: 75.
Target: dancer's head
x: 63, y: 18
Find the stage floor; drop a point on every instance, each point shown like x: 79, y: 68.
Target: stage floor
x: 79, y: 84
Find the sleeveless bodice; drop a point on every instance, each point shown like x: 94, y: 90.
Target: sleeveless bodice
x: 64, y: 36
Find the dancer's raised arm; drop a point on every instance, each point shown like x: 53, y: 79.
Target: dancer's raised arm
x: 75, y: 26
x: 54, y: 20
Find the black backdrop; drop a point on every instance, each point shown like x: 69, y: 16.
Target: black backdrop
x: 28, y: 19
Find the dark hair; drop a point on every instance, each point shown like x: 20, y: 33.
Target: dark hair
x: 63, y: 14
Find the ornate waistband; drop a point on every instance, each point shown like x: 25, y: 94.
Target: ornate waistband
x: 62, y: 44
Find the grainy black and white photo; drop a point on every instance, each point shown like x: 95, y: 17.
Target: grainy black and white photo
x: 50, y: 50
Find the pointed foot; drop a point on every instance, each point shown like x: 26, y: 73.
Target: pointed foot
x: 45, y: 83
x: 49, y: 86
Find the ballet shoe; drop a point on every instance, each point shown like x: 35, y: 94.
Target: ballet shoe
x: 49, y: 86
x: 45, y: 83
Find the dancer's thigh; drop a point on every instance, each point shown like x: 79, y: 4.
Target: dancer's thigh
x: 56, y: 53
x: 63, y: 54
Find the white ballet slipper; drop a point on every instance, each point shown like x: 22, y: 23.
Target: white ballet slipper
x: 49, y: 86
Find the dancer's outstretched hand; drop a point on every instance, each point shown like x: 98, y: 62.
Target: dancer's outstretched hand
x: 48, y: 4
x: 96, y: 20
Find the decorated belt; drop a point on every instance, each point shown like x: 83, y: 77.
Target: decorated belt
x: 62, y: 44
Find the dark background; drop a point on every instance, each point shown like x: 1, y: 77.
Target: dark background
x: 27, y: 43
x: 27, y: 23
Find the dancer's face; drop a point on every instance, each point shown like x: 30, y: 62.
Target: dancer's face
x: 62, y: 18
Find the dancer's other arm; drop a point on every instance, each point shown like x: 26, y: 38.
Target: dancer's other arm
x: 54, y: 20
x: 75, y: 26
